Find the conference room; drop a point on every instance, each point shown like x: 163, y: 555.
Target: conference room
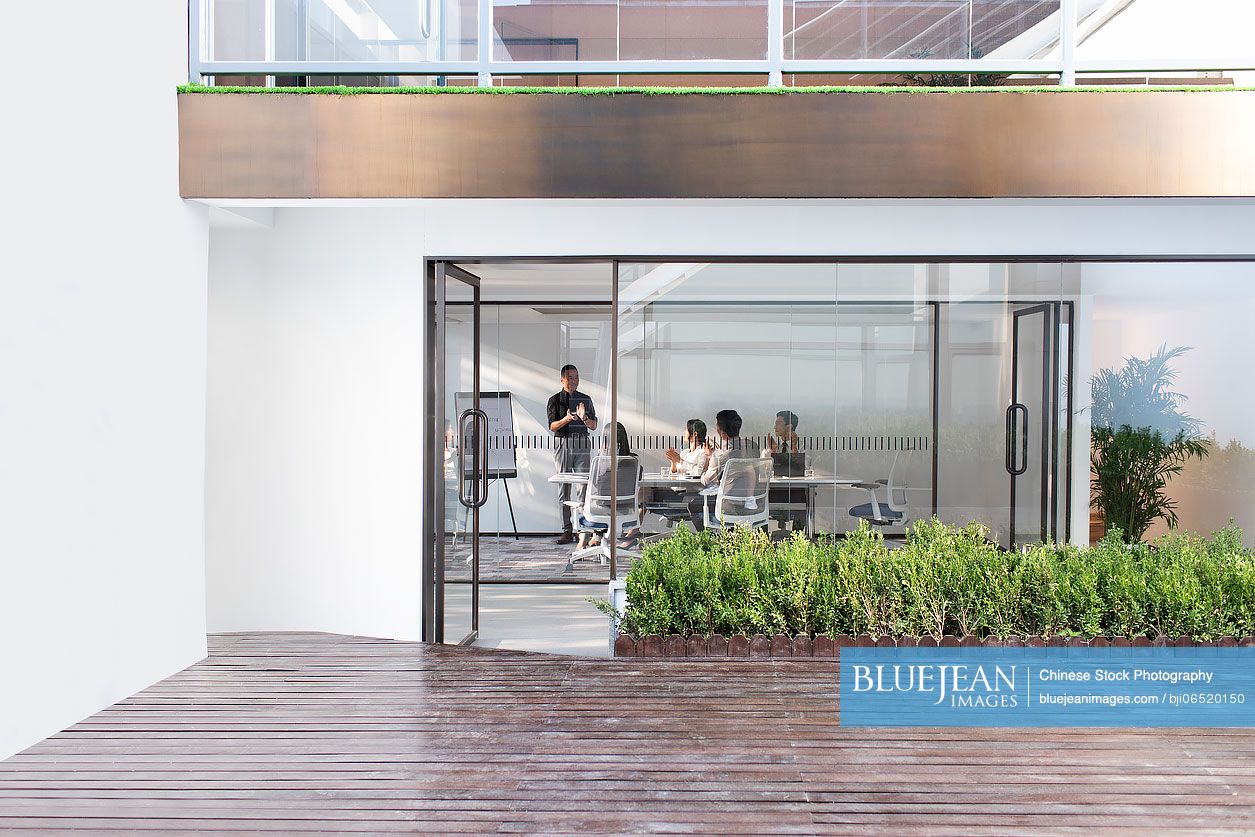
x: 972, y: 391
x: 867, y: 392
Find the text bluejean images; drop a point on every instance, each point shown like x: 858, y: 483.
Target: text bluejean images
x: 1048, y: 687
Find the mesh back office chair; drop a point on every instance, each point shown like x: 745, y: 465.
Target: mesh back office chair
x: 602, y: 491
x: 741, y: 499
x: 888, y: 512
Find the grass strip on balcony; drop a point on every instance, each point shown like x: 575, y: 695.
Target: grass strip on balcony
x: 942, y: 581
x: 348, y: 90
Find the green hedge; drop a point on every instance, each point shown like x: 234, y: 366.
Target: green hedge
x: 942, y: 581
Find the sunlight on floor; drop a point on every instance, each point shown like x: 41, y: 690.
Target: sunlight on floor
x: 550, y: 618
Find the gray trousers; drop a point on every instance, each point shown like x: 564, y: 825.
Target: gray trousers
x: 571, y: 454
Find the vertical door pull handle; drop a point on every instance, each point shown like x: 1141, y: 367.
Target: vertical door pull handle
x: 1012, y: 467
x: 481, y: 449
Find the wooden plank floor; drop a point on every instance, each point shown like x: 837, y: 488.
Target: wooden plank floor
x: 316, y: 733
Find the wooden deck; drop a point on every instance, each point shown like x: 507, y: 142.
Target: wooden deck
x: 320, y: 733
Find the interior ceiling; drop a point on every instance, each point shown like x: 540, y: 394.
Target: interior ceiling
x: 556, y: 281
x: 652, y: 283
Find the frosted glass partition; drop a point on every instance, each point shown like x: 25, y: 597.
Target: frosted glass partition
x: 919, y: 29
x: 883, y: 410
x: 843, y: 380
x: 1166, y: 347
x: 974, y: 391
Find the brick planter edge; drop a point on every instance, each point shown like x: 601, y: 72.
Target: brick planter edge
x: 802, y: 646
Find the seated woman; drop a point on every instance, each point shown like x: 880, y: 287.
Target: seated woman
x: 691, y: 461
x: 624, y: 450
x: 696, y: 456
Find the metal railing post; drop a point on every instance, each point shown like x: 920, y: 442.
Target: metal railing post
x: 775, y: 42
x: 194, y: 46
x: 484, y: 47
x: 1067, y: 42
x: 269, y: 38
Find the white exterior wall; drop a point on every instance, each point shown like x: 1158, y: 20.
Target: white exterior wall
x: 102, y: 358
x: 317, y: 429
x: 314, y: 470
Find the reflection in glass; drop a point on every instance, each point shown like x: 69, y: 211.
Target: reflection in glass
x: 1193, y: 320
x: 340, y: 30
x: 629, y: 30
x: 921, y: 29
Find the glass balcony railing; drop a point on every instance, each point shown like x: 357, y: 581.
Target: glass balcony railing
x: 776, y: 42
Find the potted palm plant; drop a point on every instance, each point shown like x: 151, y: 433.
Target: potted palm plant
x: 1141, y: 438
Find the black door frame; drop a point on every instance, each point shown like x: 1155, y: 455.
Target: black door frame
x: 433, y: 583
x: 1049, y: 418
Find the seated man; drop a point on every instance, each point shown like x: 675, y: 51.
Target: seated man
x: 785, y: 430
x: 788, y: 504
x: 732, y: 446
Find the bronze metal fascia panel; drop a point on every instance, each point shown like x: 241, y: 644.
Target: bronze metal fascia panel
x: 935, y: 145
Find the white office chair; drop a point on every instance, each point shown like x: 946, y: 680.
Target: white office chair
x: 593, y: 516
x: 888, y: 512
x: 741, y: 498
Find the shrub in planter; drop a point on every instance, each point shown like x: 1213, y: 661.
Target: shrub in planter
x: 943, y: 580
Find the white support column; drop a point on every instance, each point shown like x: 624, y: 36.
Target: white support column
x: 775, y: 42
x: 1067, y: 42
x: 485, y: 42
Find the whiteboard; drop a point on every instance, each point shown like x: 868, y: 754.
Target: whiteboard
x: 500, y: 411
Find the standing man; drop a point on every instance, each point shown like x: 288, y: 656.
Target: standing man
x: 571, y: 418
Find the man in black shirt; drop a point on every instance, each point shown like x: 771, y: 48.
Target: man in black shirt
x: 571, y: 418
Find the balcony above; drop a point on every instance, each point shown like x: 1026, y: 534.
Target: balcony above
x: 756, y: 144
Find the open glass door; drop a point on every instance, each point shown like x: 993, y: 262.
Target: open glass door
x: 462, y: 430
x: 1031, y: 432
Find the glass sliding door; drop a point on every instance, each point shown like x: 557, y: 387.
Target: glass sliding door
x: 461, y: 426
x: 1004, y: 363
x: 885, y: 396
x: 1029, y: 424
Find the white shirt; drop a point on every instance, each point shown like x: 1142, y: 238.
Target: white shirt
x: 693, y: 461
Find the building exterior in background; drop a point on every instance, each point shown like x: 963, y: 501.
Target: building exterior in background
x: 231, y: 393
x: 790, y: 43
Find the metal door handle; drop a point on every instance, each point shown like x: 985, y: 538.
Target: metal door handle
x: 479, y: 443
x: 481, y: 447
x: 463, y: 436
x: 1013, y: 469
